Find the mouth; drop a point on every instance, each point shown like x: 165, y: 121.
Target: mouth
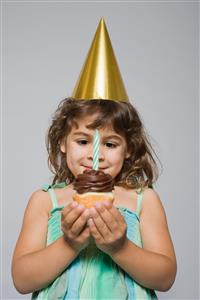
x: 90, y: 168
x: 87, y: 168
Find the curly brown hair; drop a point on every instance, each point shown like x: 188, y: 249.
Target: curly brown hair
x: 139, y: 170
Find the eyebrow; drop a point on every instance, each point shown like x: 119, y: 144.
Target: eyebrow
x: 112, y: 136
x: 81, y: 133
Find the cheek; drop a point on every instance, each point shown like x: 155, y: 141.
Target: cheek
x: 117, y: 158
x: 73, y: 153
x: 72, y: 159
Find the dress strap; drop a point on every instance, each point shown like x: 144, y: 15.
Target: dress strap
x: 50, y: 189
x: 140, y: 198
x: 53, y: 198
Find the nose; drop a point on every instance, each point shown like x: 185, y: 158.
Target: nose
x: 101, y: 154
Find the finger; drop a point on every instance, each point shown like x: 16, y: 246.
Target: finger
x: 84, y: 234
x: 100, y: 224
x: 79, y: 224
x: 69, y: 207
x: 94, y: 231
x: 115, y: 212
x: 107, y: 217
x: 72, y: 216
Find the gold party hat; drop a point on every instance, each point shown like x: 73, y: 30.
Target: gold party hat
x: 100, y: 77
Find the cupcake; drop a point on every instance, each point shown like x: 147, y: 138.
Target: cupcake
x: 93, y: 186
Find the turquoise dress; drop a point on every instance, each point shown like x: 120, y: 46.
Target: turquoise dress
x: 93, y: 275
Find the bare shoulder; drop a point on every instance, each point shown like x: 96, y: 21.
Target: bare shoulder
x: 153, y: 216
x: 152, y: 204
x: 153, y: 225
x: 39, y: 202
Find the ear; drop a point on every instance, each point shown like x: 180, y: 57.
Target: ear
x: 63, y: 146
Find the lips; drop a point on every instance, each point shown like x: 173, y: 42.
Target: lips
x: 90, y: 168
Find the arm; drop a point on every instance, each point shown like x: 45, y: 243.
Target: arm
x: 154, y: 265
x: 34, y: 265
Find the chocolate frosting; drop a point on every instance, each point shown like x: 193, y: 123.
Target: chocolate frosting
x: 93, y: 181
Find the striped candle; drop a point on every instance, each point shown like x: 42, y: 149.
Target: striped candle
x: 96, y: 141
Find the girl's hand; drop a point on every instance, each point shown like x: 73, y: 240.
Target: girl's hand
x: 107, y: 227
x: 73, y: 224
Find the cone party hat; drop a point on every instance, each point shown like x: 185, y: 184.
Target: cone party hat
x: 100, y: 76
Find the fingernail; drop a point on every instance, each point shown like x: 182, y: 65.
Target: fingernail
x: 98, y: 205
x: 107, y: 204
x: 81, y: 206
x: 74, y: 204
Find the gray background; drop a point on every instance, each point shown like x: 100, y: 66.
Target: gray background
x: 156, y: 44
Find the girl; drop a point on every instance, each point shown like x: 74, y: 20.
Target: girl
x: 111, y: 251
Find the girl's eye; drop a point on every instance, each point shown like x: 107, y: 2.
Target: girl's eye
x: 82, y: 142
x: 110, y: 145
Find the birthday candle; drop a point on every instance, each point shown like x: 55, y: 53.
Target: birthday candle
x: 96, y: 141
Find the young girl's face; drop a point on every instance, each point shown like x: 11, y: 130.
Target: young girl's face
x: 78, y: 147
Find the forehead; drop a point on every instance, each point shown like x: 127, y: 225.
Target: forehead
x: 82, y: 123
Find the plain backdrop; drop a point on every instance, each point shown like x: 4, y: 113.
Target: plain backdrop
x: 44, y: 44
